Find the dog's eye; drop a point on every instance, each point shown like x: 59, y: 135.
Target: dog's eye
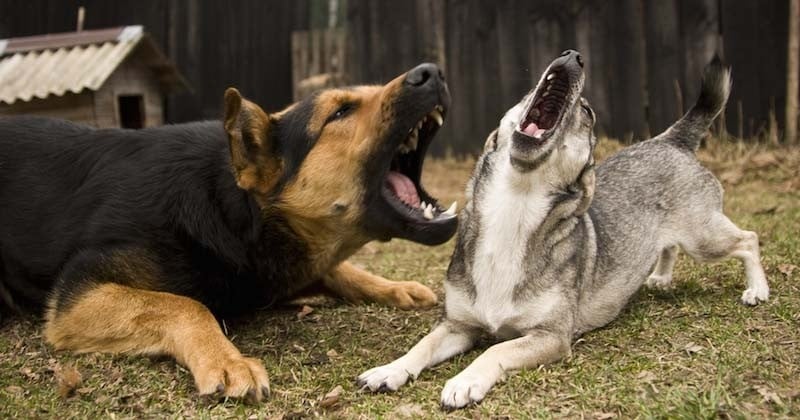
x: 342, y: 112
x: 588, y: 111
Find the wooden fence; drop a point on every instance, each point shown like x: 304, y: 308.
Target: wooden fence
x: 644, y: 57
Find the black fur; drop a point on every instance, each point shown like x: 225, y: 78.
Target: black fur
x: 72, y: 196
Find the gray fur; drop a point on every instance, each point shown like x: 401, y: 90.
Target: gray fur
x: 592, y: 237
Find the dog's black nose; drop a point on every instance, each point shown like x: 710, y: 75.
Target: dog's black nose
x: 424, y: 73
x: 573, y: 55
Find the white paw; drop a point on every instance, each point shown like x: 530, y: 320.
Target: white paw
x: 754, y: 295
x: 464, y: 389
x: 659, y: 282
x: 383, y: 378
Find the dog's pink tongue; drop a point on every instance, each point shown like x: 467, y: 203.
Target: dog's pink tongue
x: 403, y: 188
x: 533, y: 130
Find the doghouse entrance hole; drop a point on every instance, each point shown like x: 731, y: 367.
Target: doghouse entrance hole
x: 131, y: 111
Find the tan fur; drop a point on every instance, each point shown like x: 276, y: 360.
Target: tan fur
x: 119, y: 319
x: 247, y: 126
x: 357, y: 285
x: 324, y: 200
x: 322, y: 203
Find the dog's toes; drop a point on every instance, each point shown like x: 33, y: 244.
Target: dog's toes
x: 753, y: 296
x: 412, y: 295
x: 237, y: 377
x: 463, y: 390
x: 659, y: 282
x: 386, y: 378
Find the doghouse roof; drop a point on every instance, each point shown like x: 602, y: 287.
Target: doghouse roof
x: 54, y: 64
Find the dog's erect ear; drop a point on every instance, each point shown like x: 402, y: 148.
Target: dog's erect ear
x: 253, y: 154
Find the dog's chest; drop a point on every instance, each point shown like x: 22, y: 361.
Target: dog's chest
x: 507, y: 219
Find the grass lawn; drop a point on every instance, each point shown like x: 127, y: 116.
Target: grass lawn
x: 693, y: 352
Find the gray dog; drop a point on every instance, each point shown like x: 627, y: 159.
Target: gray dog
x: 543, y: 257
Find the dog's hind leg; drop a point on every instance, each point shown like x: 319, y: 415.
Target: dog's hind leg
x: 87, y: 313
x: 719, y: 238
x: 445, y: 341
x: 661, y: 277
x: 356, y: 285
x: 536, y: 348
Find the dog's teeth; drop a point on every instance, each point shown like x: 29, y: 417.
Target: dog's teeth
x: 427, y: 213
x: 419, y: 124
x: 546, y: 93
x: 439, y: 108
x: 451, y: 211
x: 413, y: 141
x: 437, y: 116
x: 551, y: 76
x: 423, y: 205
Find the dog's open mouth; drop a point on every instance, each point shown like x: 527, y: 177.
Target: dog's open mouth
x: 547, y: 107
x: 402, y: 186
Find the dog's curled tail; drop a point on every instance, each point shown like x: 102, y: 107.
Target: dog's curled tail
x: 687, y: 132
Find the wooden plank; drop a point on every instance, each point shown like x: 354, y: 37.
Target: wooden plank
x: 758, y: 71
x: 626, y: 38
x: 663, y: 63
x: 317, y: 60
x: 700, y: 40
x: 472, y: 56
x: 517, y: 76
x: 772, y: 32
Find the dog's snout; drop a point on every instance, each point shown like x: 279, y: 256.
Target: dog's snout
x: 572, y: 55
x: 424, y: 74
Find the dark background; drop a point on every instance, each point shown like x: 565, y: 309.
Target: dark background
x: 644, y: 58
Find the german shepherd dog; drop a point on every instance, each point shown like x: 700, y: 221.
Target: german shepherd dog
x: 549, y: 248
x: 132, y: 241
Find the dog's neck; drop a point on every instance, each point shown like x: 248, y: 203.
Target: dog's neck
x: 524, y: 202
x: 328, y: 243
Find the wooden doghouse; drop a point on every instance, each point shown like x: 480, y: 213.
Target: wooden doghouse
x: 105, y: 78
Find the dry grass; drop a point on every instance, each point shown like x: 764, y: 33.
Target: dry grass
x: 693, y: 352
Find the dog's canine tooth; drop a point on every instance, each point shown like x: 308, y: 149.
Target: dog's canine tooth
x: 413, y: 141
x: 423, y: 205
x: 428, y: 213
x: 437, y: 116
x: 451, y: 211
x: 551, y: 76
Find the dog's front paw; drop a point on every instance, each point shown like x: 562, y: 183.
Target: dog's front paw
x: 383, y: 378
x: 464, y: 389
x: 236, y: 377
x: 410, y: 295
x: 659, y: 282
x: 754, y: 295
